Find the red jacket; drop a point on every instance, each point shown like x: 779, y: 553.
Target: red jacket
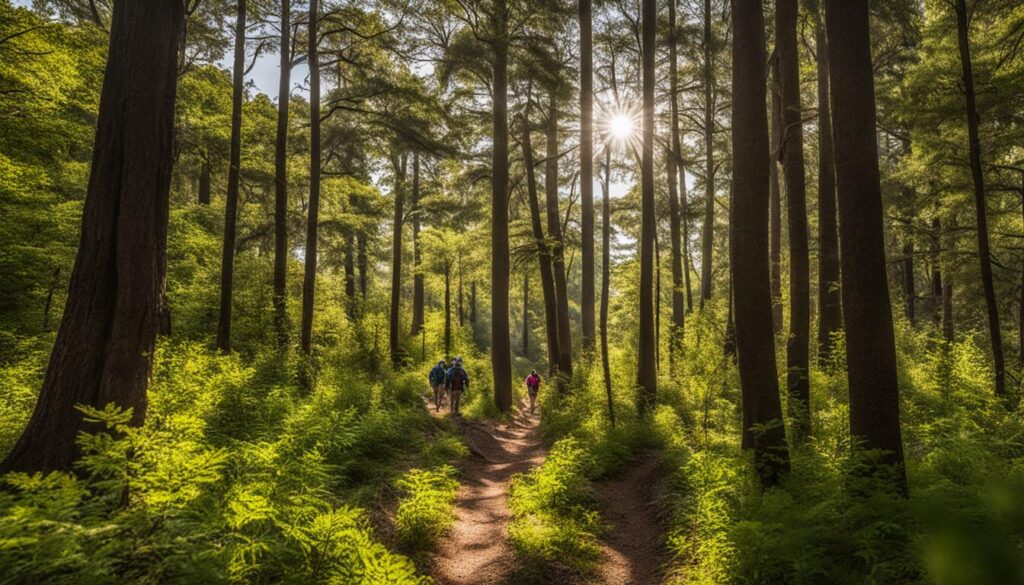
x: 533, y: 381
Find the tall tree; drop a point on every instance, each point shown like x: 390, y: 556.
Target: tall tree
x: 762, y: 409
x: 606, y: 267
x: 554, y: 218
x: 313, y: 212
x: 281, y: 179
x: 417, y: 279
x: 398, y: 163
x: 501, y: 350
x: 798, y: 382
x: 775, y: 196
x: 647, y: 366
x: 672, y: 166
x: 587, y: 172
x: 104, y: 348
x: 867, y: 312
x: 227, y: 266
x: 978, y: 176
x: 708, y: 81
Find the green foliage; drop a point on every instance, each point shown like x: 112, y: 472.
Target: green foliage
x: 425, y: 508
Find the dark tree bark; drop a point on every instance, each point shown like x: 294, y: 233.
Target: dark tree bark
x: 284, y: 87
x: 707, y: 237
x: 501, y: 350
x: 398, y: 162
x: 606, y: 268
x: 748, y: 245
x: 830, y: 312
x: 657, y: 299
x: 797, y: 346
x: 1020, y: 309
x: 558, y: 244
x: 775, y: 197
x: 526, y: 314
x: 867, y: 312
x: 227, y: 265
x: 909, y: 292
x: 587, y: 173
x: 204, y: 183
x: 675, y: 150
x: 977, y: 174
x: 104, y: 347
x: 543, y: 254
x: 647, y: 366
x: 313, y: 220
x: 417, y: 279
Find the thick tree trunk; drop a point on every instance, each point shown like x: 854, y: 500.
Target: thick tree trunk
x: 647, y: 366
x: 775, y: 197
x: 606, y: 267
x: 104, y: 348
x: 867, y: 312
x: 984, y: 254
x: 830, y: 312
x: 204, y: 183
x: 227, y: 265
x: 417, y: 279
x: 707, y: 238
x: 543, y: 255
x: 675, y: 150
x: 398, y: 162
x: 797, y: 346
x: 501, y: 350
x: 748, y: 244
x: 555, y: 234
x: 313, y: 220
x: 587, y: 173
x: 284, y: 86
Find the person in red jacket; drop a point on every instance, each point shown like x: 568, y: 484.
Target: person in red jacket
x: 532, y: 386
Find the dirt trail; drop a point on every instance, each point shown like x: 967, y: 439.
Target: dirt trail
x: 476, y: 549
x: 631, y: 550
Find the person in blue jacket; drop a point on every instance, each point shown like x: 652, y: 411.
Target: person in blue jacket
x: 437, y: 383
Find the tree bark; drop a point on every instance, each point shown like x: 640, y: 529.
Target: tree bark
x: 350, y: 275
x: 309, y: 277
x: 526, y: 314
x: 104, y: 347
x: 284, y: 87
x: 797, y: 346
x: 501, y: 351
x: 707, y: 238
x: 543, y: 255
x: 647, y: 367
x: 204, y: 183
x: 936, y: 238
x: 227, y: 266
x: 867, y: 312
x: 984, y: 253
x: 587, y: 173
x: 762, y: 409
x: 398, y: 162
x: 948, y: 329
x: 830, y: 313
x: 675, y: 152
x: 775, y: 197
x: 606, y: 241
x: 558, y: 243
x: 417, y: 279
x: 448, y: 310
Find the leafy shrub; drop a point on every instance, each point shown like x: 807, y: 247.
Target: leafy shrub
x: 426, y: 504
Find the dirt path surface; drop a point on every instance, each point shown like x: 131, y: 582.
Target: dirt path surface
x: 476, y: 549
x: 631, y: 550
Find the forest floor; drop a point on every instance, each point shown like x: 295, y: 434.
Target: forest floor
x: 476, y: 549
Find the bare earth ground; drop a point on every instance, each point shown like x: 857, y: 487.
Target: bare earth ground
x: 631, y: 550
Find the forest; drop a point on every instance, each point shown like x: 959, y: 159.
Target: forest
x: 281, y: 280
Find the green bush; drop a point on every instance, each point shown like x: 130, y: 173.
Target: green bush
x: 426, y: 505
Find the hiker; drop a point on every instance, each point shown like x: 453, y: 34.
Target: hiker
x: 436, y: 377
x: 532, y: 386
x: 457, y: 382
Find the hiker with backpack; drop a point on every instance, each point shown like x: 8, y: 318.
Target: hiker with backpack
x: 437, y: 384
x: 457, y: 382
x: 532, y: 386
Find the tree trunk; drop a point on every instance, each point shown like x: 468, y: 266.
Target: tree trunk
x: 936, y: 236
x: 762, y: 409
x: 984, y: 254
x: 867, y: 312
x: 948, y: 330
x: 675, y: 150
x: 707, y: 238
x: 543, y: 255
x: 462, y: 313
x: 797, y: 346
x: 281, y: 180
x: 587, y: 173
x: 417, y: 279
x: 657, y: 299
x: 526, y: 314
x: 647, y: 367
x: 555, y: 233
x: 104, y: 347
x: 227, y: 265
x: 472, y: 305
x: 775, y: 197
x: 204, y: 183
x: 309, y: 278
x: 606, y: 242
x: 448, y: 310
x: 501, y: 351
x: 398, y: 162
x: 830, y: 312
x: 909, y: 292
x: 1020, y: 313
x: 350, y: 275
